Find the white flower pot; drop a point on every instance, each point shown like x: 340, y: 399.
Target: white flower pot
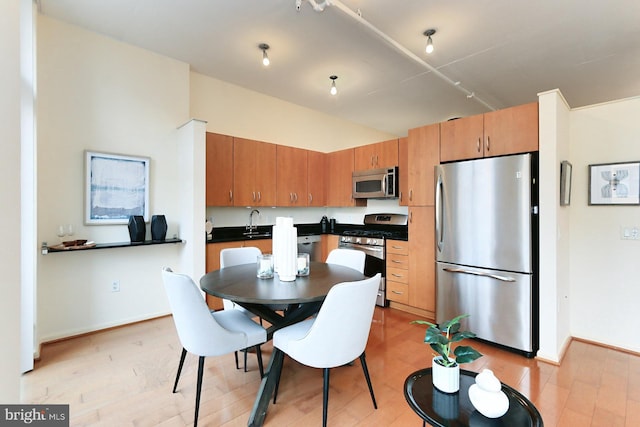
x: 445, y: 379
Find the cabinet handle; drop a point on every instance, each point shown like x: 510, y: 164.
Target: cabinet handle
x: 372, y: 162
x: 488, y: 143
x: 411, y: 217
x: 376, y: 160
x: 310, y: 198
x: 478, y: 145
x: 397, y: 247
x: 290, y: 197
x: 230, y: 195
x: 396, y: 292
x: 396, y: 275
x: 411, y: 195
x: 395, y: 261
x: 253, y: 194
x: 259, y: 196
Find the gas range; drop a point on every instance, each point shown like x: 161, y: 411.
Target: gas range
x: 370, y: 239
x: 377, y: 228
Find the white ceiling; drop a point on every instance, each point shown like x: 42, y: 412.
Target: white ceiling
x: 504, y: 52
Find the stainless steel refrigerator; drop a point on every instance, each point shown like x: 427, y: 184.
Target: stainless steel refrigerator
x: 486, y: 248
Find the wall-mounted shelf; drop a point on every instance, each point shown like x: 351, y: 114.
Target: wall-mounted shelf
x: 56, y: 249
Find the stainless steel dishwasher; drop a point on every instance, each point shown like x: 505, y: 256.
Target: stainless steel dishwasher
x: 311, y: 245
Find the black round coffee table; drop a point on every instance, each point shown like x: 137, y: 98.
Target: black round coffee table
x: 455, y: 409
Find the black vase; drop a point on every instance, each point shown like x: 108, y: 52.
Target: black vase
x: 158, y: 227
x: 137, y: 229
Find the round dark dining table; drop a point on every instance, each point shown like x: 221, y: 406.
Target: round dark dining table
x: 302, y: 297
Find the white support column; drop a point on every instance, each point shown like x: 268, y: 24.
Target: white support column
x: 192, y: 165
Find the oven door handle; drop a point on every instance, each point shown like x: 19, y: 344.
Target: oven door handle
x: 376, y: 251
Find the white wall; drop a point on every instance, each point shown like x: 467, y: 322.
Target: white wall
x: 605, y: 270
x: 99, y: 94
x: 233, y: 110
x: 10, y: 196
x: 554, y: 227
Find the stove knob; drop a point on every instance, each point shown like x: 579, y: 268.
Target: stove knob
x: 371, y: 241
x: 358, y: 240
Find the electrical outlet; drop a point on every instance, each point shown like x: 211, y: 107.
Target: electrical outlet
x: 115, y: 286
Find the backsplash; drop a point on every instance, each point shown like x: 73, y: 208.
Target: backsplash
x: 235, y: 217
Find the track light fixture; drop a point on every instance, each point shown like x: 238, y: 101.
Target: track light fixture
x: 429, y: 33
x: 265, y: 57
x: 334, y: 89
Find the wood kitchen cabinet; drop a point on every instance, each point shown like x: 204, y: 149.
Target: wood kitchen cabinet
x: 219, y: 170
x: 375, y: 156
x: 316, y: 178
x: 423, y: 154
x: 213, y: 260
x: 291, y: 173
x: 397, y: 263
x: 422, y: 271
x: 254, y: 173
x: 508, y: 131
x: 339, y: 181
x: 403, y: 171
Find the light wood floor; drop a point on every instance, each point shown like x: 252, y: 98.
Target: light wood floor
x: 123, y: 377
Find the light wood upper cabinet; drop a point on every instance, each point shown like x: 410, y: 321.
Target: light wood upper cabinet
x: 254, y: 173
x: 291, y: 174
x: 512, y: 130
x: 508, y: 131
x: 375, y: 156
x: 219, y: 170
x: 462, y: 138
x: 403, y: 171
x: 316, y: 178
x: 339, y: 178
x: 423, y: 146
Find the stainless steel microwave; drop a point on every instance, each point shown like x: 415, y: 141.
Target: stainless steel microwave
x: 376, y: 183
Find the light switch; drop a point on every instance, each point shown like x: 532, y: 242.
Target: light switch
x: 630, y: 232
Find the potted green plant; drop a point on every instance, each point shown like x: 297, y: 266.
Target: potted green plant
x: 446, y: 364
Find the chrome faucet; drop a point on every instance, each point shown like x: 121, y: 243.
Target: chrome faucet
x: 252, y: 227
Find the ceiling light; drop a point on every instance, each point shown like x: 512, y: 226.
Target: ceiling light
x: 265, y: 57
x: 429, y: 33
x: 334, y: 89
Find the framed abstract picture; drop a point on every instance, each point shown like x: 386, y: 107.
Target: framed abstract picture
x: 614, y: 184
x: 116, y: 187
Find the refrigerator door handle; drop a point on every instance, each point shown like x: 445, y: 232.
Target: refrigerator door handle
x: 479, y: 273
x: 439, y: 207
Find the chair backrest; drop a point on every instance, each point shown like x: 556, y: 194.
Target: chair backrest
x: 347, y: 257
x: 236, y: 256
x: 198, y: 331
x: 340, y: 332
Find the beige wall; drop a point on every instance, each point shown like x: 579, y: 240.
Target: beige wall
x: 10, y: 196
x: 605, y: 270
x: 233, y: 110
x: 98, y: 94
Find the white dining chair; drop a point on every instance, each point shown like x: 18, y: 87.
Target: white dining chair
x: 238, y: 256
x: 348, y: 257
x: 337, y: 336
x: 205, y: 333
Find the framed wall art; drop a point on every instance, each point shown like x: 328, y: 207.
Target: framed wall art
x: 116, y: 187
x: 565, y: 183
x: 614, y: 184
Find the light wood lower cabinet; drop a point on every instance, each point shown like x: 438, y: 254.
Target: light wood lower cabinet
x: 397, y: 263
x: 411, y: 282
x: 213, y: 260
